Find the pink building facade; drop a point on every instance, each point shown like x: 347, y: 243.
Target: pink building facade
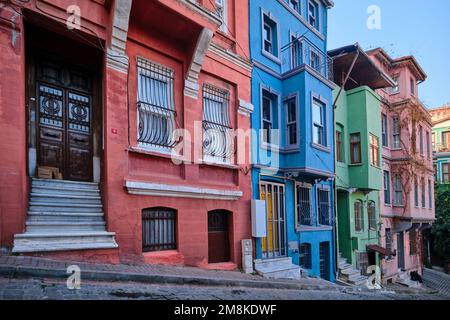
x: 408, y: 197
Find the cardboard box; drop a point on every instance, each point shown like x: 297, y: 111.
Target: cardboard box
x: 45, y: 173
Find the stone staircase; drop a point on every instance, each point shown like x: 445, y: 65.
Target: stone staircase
x: 404, y: 278
x: 64, y: 215
x: 348, y: 274
x: 279, y: 268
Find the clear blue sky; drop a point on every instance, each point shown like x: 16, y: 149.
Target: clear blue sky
x: 408, y: 27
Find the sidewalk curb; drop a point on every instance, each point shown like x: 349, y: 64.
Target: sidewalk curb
x: 23, y: 271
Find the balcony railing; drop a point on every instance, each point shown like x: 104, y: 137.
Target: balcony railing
x: 300, y: 52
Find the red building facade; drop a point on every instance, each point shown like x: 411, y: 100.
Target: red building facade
x: 140, y: 70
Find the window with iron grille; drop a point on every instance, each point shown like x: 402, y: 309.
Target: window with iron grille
x: 304, y: 207
x: 359, y: 219
x: 305, y: 256
x: 217, y: 135
x: 156, y: 106
x: 388, y: 232
x: 324, y: 207
x: 158, y: 229
x: 372, y: 212
x: 413, y: 242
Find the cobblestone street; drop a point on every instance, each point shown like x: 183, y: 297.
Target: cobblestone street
x: 51, y: 289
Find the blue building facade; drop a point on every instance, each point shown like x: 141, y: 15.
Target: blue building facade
x: 293, y: 152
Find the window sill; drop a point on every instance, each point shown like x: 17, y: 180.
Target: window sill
x: 270, y: 147
x: 355, y: 164
x: 398, y: 206
x: 210, y: 163
x: 270, y: 56
x: 321, y: 147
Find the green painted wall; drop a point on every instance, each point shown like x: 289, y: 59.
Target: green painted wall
x: 357, y: 110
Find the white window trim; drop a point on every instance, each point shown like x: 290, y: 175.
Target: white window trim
x: 325, y: 147
x: 318, y: 18
x: 327, y: 189
x: 297, y: 221
x: 295, y: 96
x: 385, y: 116
x: 275, y: 58
x: 263, y: 144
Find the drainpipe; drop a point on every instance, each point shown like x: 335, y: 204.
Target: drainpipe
x: 335, y: 227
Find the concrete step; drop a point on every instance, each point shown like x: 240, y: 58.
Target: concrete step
x: 344, y: 266
x: 64, y: 199
x: 63, y: 191
x: 350, y: 272
x: 51, y: 215
x: 65, y: 246
x: 59, y: 207
x: 64, y: 184
x: 60, y: 226
x: 358, y: 281
x: 286, y: 272
x: 57, y: 241
x: 276, y: 262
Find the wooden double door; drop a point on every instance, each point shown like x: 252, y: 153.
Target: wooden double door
x: 64, y: 119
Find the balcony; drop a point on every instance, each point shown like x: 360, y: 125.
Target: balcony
x: 301, y: 53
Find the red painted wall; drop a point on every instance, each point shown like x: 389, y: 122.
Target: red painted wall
x: 120, y: 160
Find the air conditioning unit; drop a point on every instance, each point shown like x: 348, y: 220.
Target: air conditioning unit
x: 259, y: 227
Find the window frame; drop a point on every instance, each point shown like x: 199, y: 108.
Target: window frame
x: 389, y: 242
x: 316, y: 15
x: 374, y: 150
x: 413, y: 242
x: 275, y: 35
x: 358, y: 145
x: 445, y: 174
x: 276, y: 96
x: 387, y: 187
x: 329, y: 221
x: 372, y: 219
x: 398, y: 190
x: 430, y: 195
x: 309, y: 203
x: 416, y: 192
x: 209, y: 91
x: 396, y: 133
x: 421, y: 145
x: 340, y: 152
x: 295, y: 98
x: 307, y: 255
x: 359, y: 218
x: 384, y: 130
x: 222, y: 4
x: 172, y: 220
x: 412, y: 84
x: 427, y: 137
x: 323, y: 107
x: 146, y: 68
x: 423, y: 192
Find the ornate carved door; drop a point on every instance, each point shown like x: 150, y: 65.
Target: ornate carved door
x: 64, y: 108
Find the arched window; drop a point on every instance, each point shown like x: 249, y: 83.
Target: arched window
x: 305, y: 256
x: 372, y: 212
x: 158, y: 229
x: 359, y: 219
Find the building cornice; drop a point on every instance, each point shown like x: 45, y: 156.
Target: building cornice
x: 180, y: 191
x: 230, y: 56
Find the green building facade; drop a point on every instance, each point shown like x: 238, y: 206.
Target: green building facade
x: 359, y: 175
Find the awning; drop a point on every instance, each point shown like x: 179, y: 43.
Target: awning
x: 383, y: 251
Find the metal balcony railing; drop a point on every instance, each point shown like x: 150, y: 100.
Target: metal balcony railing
x: 300, y: 52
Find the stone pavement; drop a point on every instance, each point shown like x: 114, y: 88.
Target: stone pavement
x: 56, y: 289
x: 49, y: 268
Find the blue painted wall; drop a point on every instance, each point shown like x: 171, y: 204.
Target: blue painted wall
x: 304, y: 163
